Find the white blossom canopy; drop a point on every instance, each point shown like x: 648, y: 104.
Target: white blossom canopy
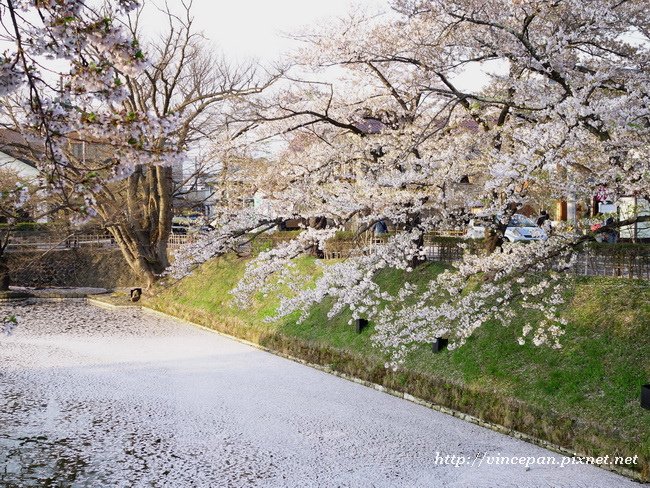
x: 567, y: 112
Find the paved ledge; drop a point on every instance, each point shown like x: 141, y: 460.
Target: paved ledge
x: 18, y: 292
x: 108, y: 303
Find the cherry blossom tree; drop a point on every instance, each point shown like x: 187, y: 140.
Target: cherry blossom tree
x: 188, y: 83
x: 122, y: 113
x: 69, y: 66
x: 393, y: 132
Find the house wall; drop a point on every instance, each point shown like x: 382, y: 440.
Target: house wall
x: 629, y: 207
x: 24, y: 170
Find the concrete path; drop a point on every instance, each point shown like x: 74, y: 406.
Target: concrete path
x: 95, y: 397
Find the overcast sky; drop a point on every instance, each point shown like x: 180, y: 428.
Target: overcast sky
x: 247, y: 30
x: 254, y: 29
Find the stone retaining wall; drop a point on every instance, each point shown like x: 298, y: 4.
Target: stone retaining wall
x: 70, y: 267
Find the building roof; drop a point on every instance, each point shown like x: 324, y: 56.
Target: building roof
x: 370, y: 125
x: 16, y: 145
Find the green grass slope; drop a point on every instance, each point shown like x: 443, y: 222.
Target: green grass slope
x: 584, y: 397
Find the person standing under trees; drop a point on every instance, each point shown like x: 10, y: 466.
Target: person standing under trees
x: 544, y: 221
x: 543, y: 217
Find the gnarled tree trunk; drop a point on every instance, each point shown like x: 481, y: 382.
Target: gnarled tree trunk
x: 5, y: 280
x: 4, y: 274
x: 144, y: 224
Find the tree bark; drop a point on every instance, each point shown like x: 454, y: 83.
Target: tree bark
x: 413, y: 223
x: 5, y: 280
x: 143, y: 230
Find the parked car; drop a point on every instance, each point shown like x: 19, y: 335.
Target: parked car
x: 179, y: 230
x: 520, y: 228
x: 205, y: 229
x: 189, y: 224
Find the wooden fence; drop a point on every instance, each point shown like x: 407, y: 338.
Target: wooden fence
x: 46, y: 241
x: 618, y: 260
x: 436, y: 247
x: 622, y: 260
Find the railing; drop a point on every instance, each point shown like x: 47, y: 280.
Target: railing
x: 178, y: 240
x: 448, y: 233
x: 617, y: 260
x: 435, y: 248
x: 46, y: 241
x: 621, y: 260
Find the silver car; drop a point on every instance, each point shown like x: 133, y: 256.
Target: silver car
x: 520, y: 228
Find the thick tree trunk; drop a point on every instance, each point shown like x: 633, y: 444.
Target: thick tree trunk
x: 317, y: 223
x: 494, y: 236
x: 142, y: 233
x: 147, y: 259
x: 5, y: 281
x: 493, y: 239
x: 413, y: 223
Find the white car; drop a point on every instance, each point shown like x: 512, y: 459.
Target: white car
x: 520, y: 228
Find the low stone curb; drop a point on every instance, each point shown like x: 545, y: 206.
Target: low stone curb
x: 108, y: 305
x: 14, y: 295
x: 51, y: 293
x: 635, y: 475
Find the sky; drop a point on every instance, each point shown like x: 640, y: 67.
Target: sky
x: 253, y: 29
x: 257, y: 30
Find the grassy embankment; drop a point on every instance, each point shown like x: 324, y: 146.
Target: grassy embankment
x: 584, y: 397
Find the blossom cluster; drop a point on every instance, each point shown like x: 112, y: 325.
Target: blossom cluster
x: 397, y: 137
x: 67, y: 74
